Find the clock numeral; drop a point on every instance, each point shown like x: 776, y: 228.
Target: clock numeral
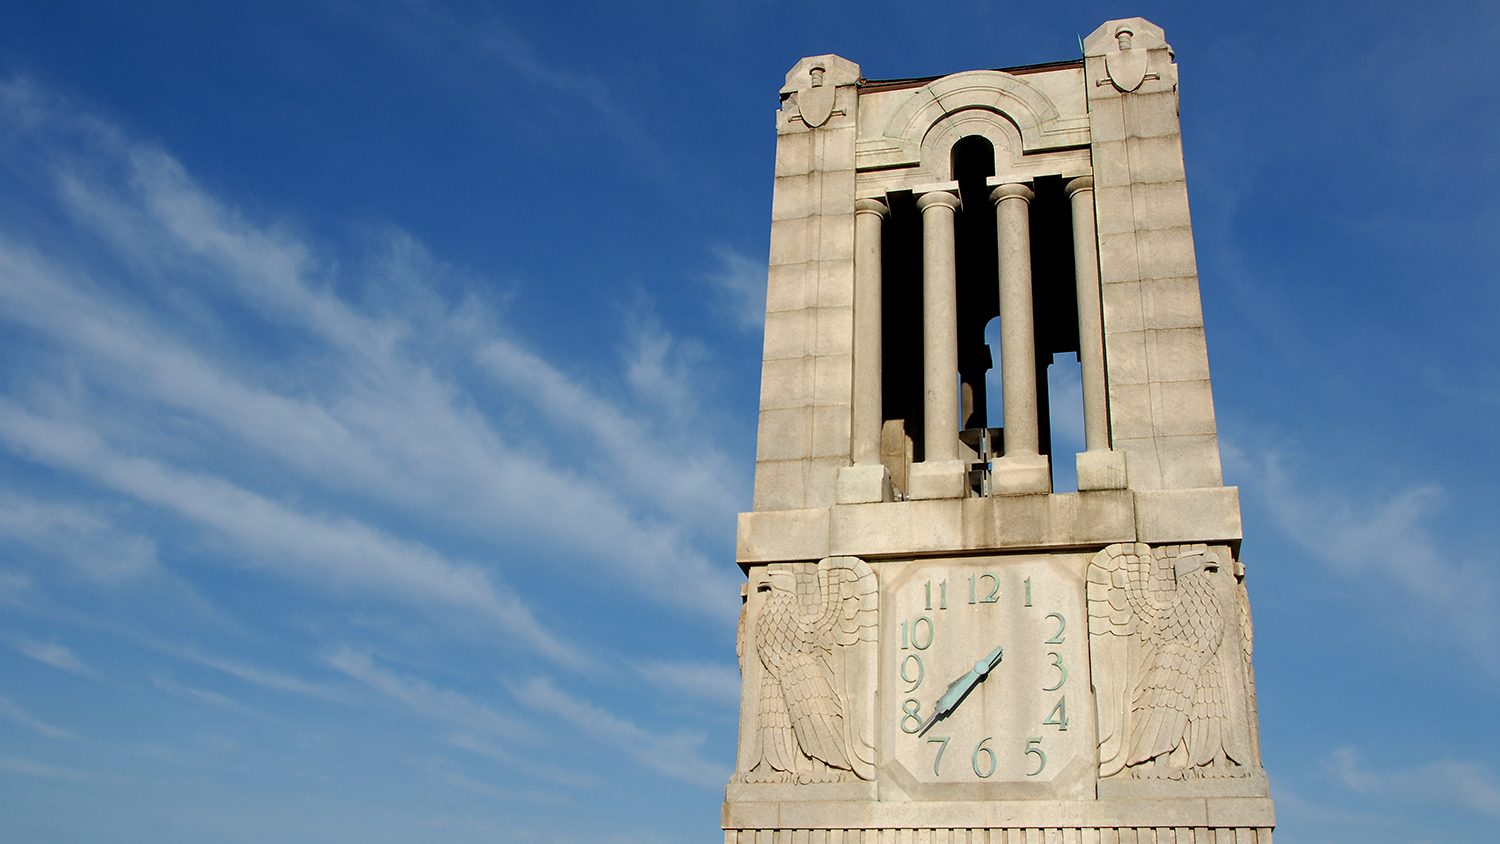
x: 913, y: 713
x: 1062, y: 624
x: 1058, y: 717
x: 1028, y: 591
x: 942, y: 743
x: 975, y: 585
x: 942, y: 595
x: 1062, y: 672
x: 989, y: 768
x: 1034, y: 747
x: 912, y: 633
x: 921, y: 672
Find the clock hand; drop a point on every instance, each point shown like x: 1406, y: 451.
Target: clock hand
x: 961, y: 687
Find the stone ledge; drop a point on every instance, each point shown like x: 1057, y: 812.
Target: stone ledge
x: 1220, y: 812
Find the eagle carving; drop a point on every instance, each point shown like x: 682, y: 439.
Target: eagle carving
x: 1168, y: 646
x: 814, y: 632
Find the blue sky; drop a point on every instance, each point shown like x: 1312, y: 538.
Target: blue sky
x: 378, y: 382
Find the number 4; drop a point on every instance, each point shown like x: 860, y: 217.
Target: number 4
x: 1058, y: 717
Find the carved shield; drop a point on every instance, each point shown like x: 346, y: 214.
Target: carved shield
x: 816, y: 104
x: 1127, y: 68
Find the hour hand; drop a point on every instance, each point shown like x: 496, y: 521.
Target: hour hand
x: 961, y: 687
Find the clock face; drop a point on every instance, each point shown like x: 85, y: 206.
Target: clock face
x: 984, y: 678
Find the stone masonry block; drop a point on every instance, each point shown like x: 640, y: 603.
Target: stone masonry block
x: 835, y: 331
x: 1182, y: 407
x: 1130, y: 411
x: 779, y: 485
x: 1172, y: 303
x: 1122, y: 307
x: 788, y: 334
x: 1167, y: 253
x: 782, y: 536
x: 836, y: 192
x: 836, y: 236
x: 1111, y: 164
x: 1118, y: 259
x: 793, y: 241
x: 1107, y: 121
x: 794, y: 154
x: 1177, y: 354
x: 787, y: 382
x: 823, y: 480
x: 1161, y: 205
x: 1152, y: 115
x: 834, y: 149
x: 833, y: 379
x: 830, y: 431
x: 1114, y: 208
x: 1191, y: 461
x: 784, y: 433
x: 1125, y: 357
x: 1141, y: 465
x: 1188, y: 515
x: 1156, y: 159
x: 836, y: 283
x: 791, y: 287
x: 793, y: 197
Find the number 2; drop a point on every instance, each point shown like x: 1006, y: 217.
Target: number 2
x: 1062, y: 624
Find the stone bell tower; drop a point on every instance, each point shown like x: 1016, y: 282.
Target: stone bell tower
x: 937, y: 645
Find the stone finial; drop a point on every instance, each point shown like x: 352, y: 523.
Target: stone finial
x: 812, y: 84
x: 1124, y: 45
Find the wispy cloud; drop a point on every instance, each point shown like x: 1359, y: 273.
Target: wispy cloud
x: 209, y: 697
x: 31, y: 768
x: 262, y: 677
x: 676, y: 755
x: 1386, y: 533
x: 443, y: 705
x: 10, y: 711
x: 87, y: 542
x: 710, y: 681
x: 741, y: 284
x: 55, y: 654
x: 1449, y: 783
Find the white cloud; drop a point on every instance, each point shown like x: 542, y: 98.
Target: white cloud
x: 57, y: 655
x: 443, y: 705
x: 29, y: 768
x: 14, y: 713
x: 264, y: 678
x: 87, y: 542
x: 1450, y: 783
x: 1382, y: 533
x: 714, y: 682
x: 209, y: 697
x: 676, y: 755
x: 742, y: 283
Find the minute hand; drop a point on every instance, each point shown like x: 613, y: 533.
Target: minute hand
x: 961, y: 687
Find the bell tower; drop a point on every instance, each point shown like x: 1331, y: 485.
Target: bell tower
x: 939, y: 642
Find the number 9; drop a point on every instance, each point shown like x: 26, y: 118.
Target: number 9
x: 921, y: 672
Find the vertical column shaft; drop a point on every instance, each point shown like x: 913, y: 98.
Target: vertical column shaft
x: 1017, y: 332
x: 939, y: 326
x: 869, y: 216
x: 1090, y: 319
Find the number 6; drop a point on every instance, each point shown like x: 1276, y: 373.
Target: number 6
x: 1034, y: 745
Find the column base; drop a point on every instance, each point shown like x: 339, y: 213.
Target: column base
x: 1101, y: 469
x: 938, y: 479
x: 864, y: 484
x: 1021, y: 475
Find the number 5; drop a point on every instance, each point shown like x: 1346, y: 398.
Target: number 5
x: 1034, y: 745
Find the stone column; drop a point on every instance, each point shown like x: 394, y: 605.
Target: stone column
x: 1022, y: 469
x: 1098, y: 467
x: 868, y: 479
x: 941, y: 474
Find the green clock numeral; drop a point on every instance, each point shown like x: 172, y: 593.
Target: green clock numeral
x: 942, y: 595
x: 1028, y: 591
x: 1062, y: 672
x: 912, y: 633
x: 1034, y: 747
x: 1058, y: 717
x: 921, y: 672
x: 1062, y: 624
x: 974, y: 587
x: 989, y: 768
x: 942, y: 743
x: 912, y: 711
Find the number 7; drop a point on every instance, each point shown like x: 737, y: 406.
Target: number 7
x: 942, y: 742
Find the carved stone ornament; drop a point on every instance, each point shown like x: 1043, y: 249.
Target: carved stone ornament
x: 813, y: 632
x: 1169, y: 640
x: 813, y: 83
x: 1126, y: 64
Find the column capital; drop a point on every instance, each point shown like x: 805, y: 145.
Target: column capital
x: 871, y: 205
x: 944, y: 196
x: 1078, y: 185
x: 1011, y: 190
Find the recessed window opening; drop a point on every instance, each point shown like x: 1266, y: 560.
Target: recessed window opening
x: 1065, y: 411
x: 973, y: 163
